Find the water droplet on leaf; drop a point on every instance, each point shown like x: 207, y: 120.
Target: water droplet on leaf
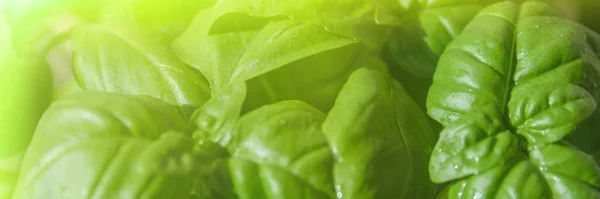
x: 338, y: 191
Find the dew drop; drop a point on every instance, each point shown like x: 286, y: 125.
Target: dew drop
x: 338, y: 191
x: 478, y: 195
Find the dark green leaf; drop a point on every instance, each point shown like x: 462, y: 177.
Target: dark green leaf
x: 520, y: 77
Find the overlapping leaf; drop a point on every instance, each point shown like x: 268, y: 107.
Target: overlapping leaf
x: 230, y: 43
x: 424, y: 30
x: 516, y: 70
x: 119, y: 146
x: 143, y: 65
x: 373, y: 139
x: 282, y: 150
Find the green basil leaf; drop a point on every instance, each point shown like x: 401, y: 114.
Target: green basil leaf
x: 350, y: 18
x: 566, y: 162
x: 474, y: 143
x: 278, y: 58
x: 120, y: 146
x: 515, y: 179
x: 243, y: 55
x: 424, y: 30
x: 298, y: 80
x: 517, y: 70
x: 474, y: 71
x: 546, y: 114
x: 372, y: 139
x: 553, y: 170
x: 279, y: 151
x: 98, y: 66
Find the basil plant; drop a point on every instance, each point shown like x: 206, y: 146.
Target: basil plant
x: 307, y: 99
